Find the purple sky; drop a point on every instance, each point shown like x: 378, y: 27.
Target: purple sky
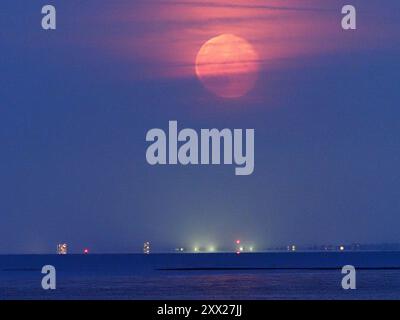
x: 76, y: 104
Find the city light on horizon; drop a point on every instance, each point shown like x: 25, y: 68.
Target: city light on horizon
x: 146, y: 247
x: 244, y: 247
x: 62, y: 248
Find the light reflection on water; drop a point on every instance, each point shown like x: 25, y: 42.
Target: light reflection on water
x: 263, y: 284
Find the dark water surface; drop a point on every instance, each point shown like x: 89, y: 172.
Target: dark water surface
x: 112, y: 277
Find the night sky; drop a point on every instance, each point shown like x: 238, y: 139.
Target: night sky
x: 76, y: 104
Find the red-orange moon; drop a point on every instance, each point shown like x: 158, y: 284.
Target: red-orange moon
x: 228, y: 66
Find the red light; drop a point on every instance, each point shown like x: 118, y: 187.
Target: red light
x: 86, y: 251
x: 237, y: 252
x: 237, y: 241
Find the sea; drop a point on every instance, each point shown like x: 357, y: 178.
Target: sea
x: 218, y: 276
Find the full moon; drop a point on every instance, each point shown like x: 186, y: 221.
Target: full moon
x: 228, y: 66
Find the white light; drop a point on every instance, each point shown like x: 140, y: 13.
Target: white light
x: 241, y: 248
